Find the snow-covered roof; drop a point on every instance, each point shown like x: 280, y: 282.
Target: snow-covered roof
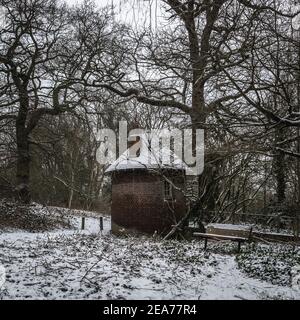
x: 148, y: 158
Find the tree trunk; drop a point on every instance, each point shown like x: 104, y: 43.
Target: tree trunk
x: 279, y: 168
x: 23, y: 165
x: 71, y: 194
x: 23, y: 155
x: 70, y: 198
x: 207, y: 186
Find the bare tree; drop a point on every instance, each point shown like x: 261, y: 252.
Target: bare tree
x: 204, y: 64
x: 46, y: 56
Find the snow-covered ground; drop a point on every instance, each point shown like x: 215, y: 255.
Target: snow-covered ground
x: 75, y: 264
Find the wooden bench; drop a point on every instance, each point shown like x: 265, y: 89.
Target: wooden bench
x: 212, y: 236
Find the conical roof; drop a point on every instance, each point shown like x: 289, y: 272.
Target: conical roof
x: 149, y: 158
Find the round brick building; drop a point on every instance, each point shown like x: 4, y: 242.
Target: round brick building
x: 148, y: 196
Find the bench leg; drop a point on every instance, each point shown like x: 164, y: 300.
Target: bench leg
x: 239, y: 246
x: 205, y: 243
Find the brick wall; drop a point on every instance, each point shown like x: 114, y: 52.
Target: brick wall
x: 138, y: 202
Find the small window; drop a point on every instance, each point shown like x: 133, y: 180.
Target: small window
x: 135, y: 148
x: 168, y: 190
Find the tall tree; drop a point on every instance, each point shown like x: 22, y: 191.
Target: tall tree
x: 201, y: 64
x: 47, y: 52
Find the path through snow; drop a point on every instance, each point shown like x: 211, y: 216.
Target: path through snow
x: 74, y: 264
x: 230, y: 283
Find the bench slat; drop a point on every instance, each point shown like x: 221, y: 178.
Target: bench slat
x: 211, y: 235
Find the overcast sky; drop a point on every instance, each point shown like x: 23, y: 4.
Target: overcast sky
x: 134, y: 12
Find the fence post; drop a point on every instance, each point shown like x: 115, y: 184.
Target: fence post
x: 101, y: 224
x: 297, y: 225
x: 82, y: 223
